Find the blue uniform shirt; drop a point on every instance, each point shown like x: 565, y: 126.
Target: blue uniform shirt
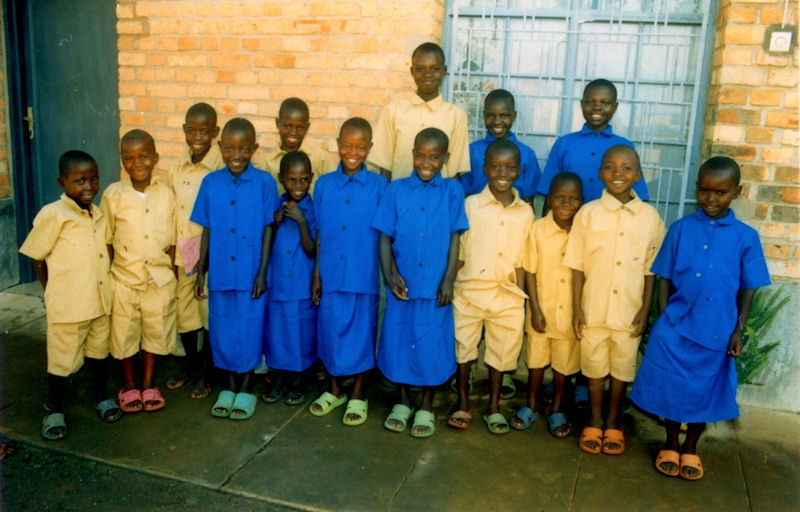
x: 529, y: 171
x: 344, y: 207
x: 709, y: 261
x: 236, y: 210
x: 420, y: 217
x: 290, y: 270
x: 582, y: 153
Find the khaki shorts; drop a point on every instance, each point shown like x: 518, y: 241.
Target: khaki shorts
x: 68, y: 343
x: 503, y: 322
x: 607, y: 351
x: 563, y: 354
x: 142, y: 319
x: 192, y: 313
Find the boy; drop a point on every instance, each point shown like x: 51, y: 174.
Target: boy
x: 200, y: 158
x: 551, y: 340
x: 141, y: 241
x: 67, y: 246
x: 236, y: 206
x: 611, y: 246
x: 293, y: 123
x: 499, y: 115
x: 402, y: 119
x: 710, y: 265
x: 419, y: 219
x: 489, y: 286
x: 581, y: 152
x: 345, y: 281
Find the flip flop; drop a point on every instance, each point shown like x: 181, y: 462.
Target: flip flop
x: 613, y: 436
x: 423, y: 419
x: 591, y: 435
x: 556, y: 420
x: 496, y: 423
x: 690, y: 460
x: 273, y: 394
x: 355, y: 407
x: 526, y: 415
x: 153, y: 400
x: 294, y: 397
x: 50, y: 423
x: 224, y: 402
x: 128, y: 400
x: 508, y: 384
x: 464, y: 416
x: 108, y: 410
x: 245, y: 403
x: 400, y: 413
x: 668, y: 456
x: 328, y: 402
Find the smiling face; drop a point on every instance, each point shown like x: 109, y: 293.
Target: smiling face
x: 296, y: 179
x: 619, y: 171
x: 428, y: 70
x: 502, y: 170
x: 81, y: 183
x: 354, y: 146
x: 498, y: 116
x: 715, y: 191
x: 139, y: 158
x: 237, y: 148
x: 598, y: 106
x: 429, y: 158
x: 200, y: 132
x: 565, y: 199
x: 292, y: 128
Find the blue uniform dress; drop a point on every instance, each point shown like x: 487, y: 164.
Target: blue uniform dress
x: 529, y: 171
x: 236, y: 210
x: 417, y: 339
x: 582, y: 153
x: 686, y: 374
x: 348, y: 265
x: 291, y: 340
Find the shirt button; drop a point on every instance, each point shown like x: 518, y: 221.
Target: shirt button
x: 499, y: 253
x: 233, y: 202
x: 705, y: 247
x: 713, y: 222
x: 147, y: 210
x: 614, y: 292
x: 233, y: 258
x: 233, y: 230
x: 562, y: 280
x: 350, y: 180
x: 591, y: 179
x: 146, y: 237
x: 563, y: 254
x: 619, y: 263
x: 422, y: 209
x: 341, y: 257
x: 181, y: 207
x: 502, y: 223
x: 419, y: 264
x: 621, y: 234
x: 101, y: 255
x: 289, y: 252
x: 592, y: 153
x: 560, y: 306
x: 346, y: 201
x: 421, y: 234
x: 698, y: 274
x: 344, y: 228
x: 235, y: 180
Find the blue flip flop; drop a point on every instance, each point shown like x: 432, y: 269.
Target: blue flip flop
x: 526, y: 415
x: 555, y: 420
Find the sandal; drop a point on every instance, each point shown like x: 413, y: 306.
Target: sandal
x: 243, y: 407
x: 130, y: 400
x: 554, y: 423
x: 355, y: 407
x: 668, y: 456
x: 153, y: 400
x: 508, y: 389
x: 691, y: 461
x: 591, y: 435
x: 496, y: 423
x: 222, y: 407
x: 327, y: 402
x: 273, y: 394
x: 401, y: 414
x: 460, y: 420
x: 526, y: 415
x: 108, y: 410
x: 426, y: 420
x: 295, y: 397
x: 54, y: 427
x: 613, y: 436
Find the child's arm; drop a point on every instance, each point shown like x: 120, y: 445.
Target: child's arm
x: 316, y: 282
x: 537, y: 317
x: 171, y: 253
x: 665, y: 290
x: 745, y: 300
x: 40, y: 267
x: 578, y: 321
x: 445, y: 293
x: 202, y: 265
x: 393, y: 278
x: 640, y: 320
x: 260, y: 284
x: 520, y: 278
x: 294, y: 212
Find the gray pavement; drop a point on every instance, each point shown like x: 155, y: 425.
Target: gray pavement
x: 285, y: 457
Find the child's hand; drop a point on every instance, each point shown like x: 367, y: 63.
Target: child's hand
x: 279, y: 216
x: 293, y: 211
x: 199, y: 285
x: 445, y: 293
x: 639, y: 323
x: 316, y: 289
x: 259, y: 286
x: 578, y: 322
x: 398, y: 285
x: 735, y: 345
x: 538, y: 322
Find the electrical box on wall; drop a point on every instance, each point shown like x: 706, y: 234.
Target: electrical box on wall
x: 780, y: 39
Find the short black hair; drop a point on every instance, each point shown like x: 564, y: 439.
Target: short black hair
x: 292, y: 158
x: 428, y: 48
x: 599, y: 83
x: 204, y: 110
x: 720, y: 163
x: 433, y: 134
x: 136, y: 134
x: 500, y: 95
x: 239, y: 124
x: 566, y: 177
x: 293, y: 105
x: 356, y: 123
x: 73, y: 157
x: 622, y: 147
x: 501, y: 145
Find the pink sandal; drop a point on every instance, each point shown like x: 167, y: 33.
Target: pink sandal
x: 153, y: 400
x: 130, y: 400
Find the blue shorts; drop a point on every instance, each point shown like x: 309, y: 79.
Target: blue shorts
x: 291, y: 335
x: 346, y: 326
x: 236, y: 329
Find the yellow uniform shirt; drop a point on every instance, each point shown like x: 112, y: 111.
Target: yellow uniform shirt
x: 141, y: 230
x: 547, y: 244
x: 322, y: 162
x: 493, y: 247
x: 184, y: 179
x: 73, y: 245
x: 614, y: 245
x: 400, y: 122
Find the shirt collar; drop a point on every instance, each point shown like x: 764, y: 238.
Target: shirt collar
x: 209, y: 161
x: 360, y: 177
x: 491, y: 138
x: 415, y: 180
x: 612, y: 203
x: 126, y: 183
x: 486, y: 197
x: 727, y: 220
x: 433, y: 105
x: 247, y: 175
x: 550, y: 226
x: 277, y: 153
x: 72, y: 205
x: 607, y: 132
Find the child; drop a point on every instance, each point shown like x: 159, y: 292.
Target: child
x: 419, y: 219
x: 67, y: 246
x: 551, y: 339
x: 292, y: 123
x: 200, y: 158
x: 581, y: 152
x: 498, y: 115
x: 402, y: 119
x: 488, y: 290
x: 236, y: 207
x: 141, y: 241
x: 345, y: 281
x: 710, y: 265
x: 291, y: 324
x: 611, y: 245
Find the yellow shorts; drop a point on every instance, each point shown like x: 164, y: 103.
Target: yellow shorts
x: 607, y: 351
x: 503, y: 322
x: 146, y: 316
x: 563, y: 354
x: 68, y: 343
x: 192, y: 313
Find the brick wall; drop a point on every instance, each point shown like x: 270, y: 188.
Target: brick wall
x: 753, y: 118
x: 6, y: 190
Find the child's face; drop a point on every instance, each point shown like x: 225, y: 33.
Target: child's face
x: 139, y: 158
x: 292, y: 128
x: 296, y: 179
x: 498, y: 116
x: 565, y: 200
x: 427, y: 69
x: 429, y: 158
x: 200, y: 132
x: 502, y: 170
x: 81, y: 182
x: 354, y: 146
x: 598, y: 106
x: 715, y: 191
x: 237, y: 148
x: 619, y: 171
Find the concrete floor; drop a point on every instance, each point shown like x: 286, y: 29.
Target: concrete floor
x: 285, y: 456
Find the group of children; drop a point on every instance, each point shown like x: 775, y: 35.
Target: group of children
x: 295, y: 277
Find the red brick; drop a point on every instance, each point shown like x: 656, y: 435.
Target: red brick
x: 767, y: 97
x: 782, y: 119
x: 727, y: 116
x: 739, y: 34
x: 230, y: 60
x: 790, y: 195
x: 741, y: 14
x: 274, y: 61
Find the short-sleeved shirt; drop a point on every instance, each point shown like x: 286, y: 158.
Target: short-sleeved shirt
x: 547, y: 246
x: 141, y: 230
x: 348, y: 246
x: 493, y: 247
x: 709, y: 261
x: 400, y: 122
x: 322, y: 162
x: 582, y: 152
x: 614, y: 245
x: 73, y: 244
x: 236, y: 210
x: 420, y: 217
x: 290, y: 269
x: 184, y: 180
x: 529, y: 171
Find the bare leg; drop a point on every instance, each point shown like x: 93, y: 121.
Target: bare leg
x: 559, y: 383
x: 462, y: 384
x: 693, y: 433
x: 148, y: 369
x: 596, y: 401
x: 495, y: 379
x: 673, y: 429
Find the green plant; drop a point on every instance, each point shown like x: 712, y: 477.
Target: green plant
x: 754, y: 356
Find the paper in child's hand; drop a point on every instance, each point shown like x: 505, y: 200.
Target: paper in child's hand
x: 190, y: 252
